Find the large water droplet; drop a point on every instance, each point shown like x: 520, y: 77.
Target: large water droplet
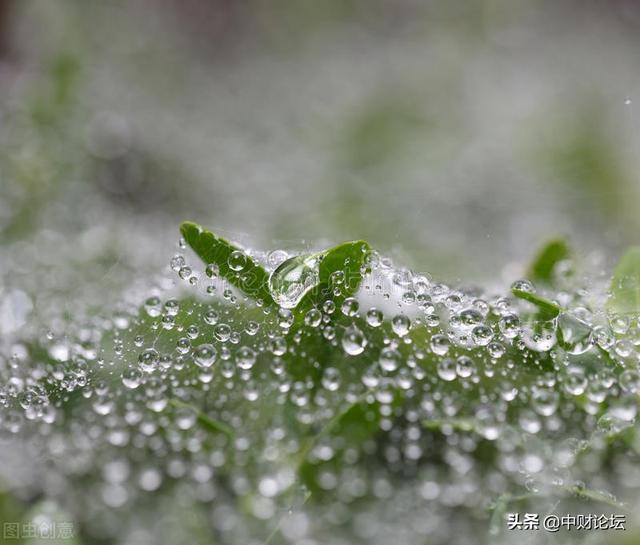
x: 131, y: 377
x: 354, y: 341
x: 293, y: 279
x: 390, y: 359
x: 148, y: 359
x: 576, y: 334
x: 205, y: 355
x: 237, y: 260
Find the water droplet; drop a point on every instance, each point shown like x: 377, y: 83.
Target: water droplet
x: 313, y: 318
x: 350, y: 307
x: 276, y: 258
x: 212, y: 270
x: 603, y: 337
x: 293, y: 279
x: 630, y: 381
x: 131, y: 377
x: 482, y: 335
x: 374, y: 317
x: 576, y: 335
x: 211, y: 317
x: 619, y: 324
x: 354, y: 341
x: 540, y: 336
x: 245, y: 357
x: 185, y: 418
x: 496, y: 350
x: 150, y: 480
x: 523, y: 285
x: 331, y: 379
x: 152, y: 307
x: 285, y: 318
x: 183, y: 345
x: 389, y: 359
x: 328, y: 307
x: 469, y: 318
x: 447, y: 369
x: 510, y: 326
x: 278, y: 346
x: 465, y: 366
x: 205, y: 355
x: 336, y: 278
x: 575, y: 382
x: 177, y: 262
x: 222, y: 332
x: 171, y: 307
x: 401, y: 324
x: 440, y: 344
x: 148, y: 360
x: 545, y: 401
x: 624, y: 348
x: 237, y: 260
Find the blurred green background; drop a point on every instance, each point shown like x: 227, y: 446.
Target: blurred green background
x: 455, y: 136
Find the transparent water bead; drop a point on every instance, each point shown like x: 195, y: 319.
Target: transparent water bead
x: 237, y: 261
x: 293, y: 279
x: 148, y: 360
x: 576, y: 334
x: 131, y: 377
x: 205, y: 355
x: 540, y: 336
x: 354, y: 341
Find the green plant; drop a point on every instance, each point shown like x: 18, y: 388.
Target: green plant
x: 335, y: 380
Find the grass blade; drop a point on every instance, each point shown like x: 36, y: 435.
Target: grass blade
x: 252, y: 279
x: 542, y: 268
x: 547, y: 310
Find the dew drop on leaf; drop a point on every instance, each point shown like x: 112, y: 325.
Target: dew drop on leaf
x: 354, y: 341
x: 205, y: 355
x: 237, y: 261
x: 293, y: 279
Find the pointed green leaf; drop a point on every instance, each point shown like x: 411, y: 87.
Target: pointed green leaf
x: 541, y: 270
x: 348, y: 257
x: 624, y: 294
x: 253, y: 280
x: 347, y: 261
x: 547, y: 310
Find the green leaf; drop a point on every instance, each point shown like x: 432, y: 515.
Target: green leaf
x: 253, y: 280
x: 541, y: 270
x: 348, y: 257
x: 624, y: 294
x: 347, y: 260
x: 547, y: 310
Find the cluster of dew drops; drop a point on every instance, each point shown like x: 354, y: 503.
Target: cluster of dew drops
x: 457, y: 354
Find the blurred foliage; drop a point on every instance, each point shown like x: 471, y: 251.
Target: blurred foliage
x: 579, y: 150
